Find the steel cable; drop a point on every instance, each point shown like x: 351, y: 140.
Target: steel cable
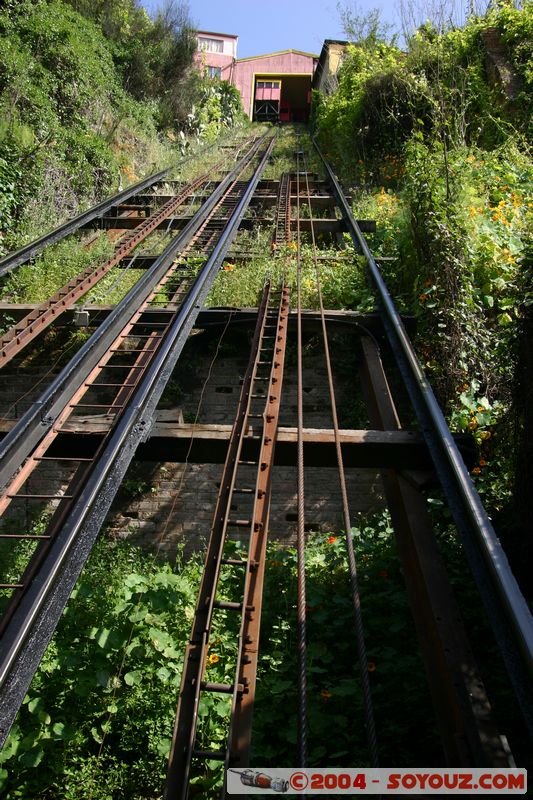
x: 359, y: 629
x: 300, y: 547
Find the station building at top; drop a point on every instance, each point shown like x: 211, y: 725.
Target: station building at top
x: 275, y: 87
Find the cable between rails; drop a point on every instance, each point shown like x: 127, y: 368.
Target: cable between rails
x: 354, y: 583
x: 300, y: 546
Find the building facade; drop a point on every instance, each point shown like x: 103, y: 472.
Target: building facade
x: 216, y: 54
x: 274, y: 87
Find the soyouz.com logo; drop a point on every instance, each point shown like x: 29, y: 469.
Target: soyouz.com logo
x: 407, y: 781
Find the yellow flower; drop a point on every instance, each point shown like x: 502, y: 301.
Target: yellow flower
x: 371, y: 667
x: 325, y: 694
x: 476, y: 470
x: 213, y: 658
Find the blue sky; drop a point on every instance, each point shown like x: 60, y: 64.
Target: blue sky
x: 269, y: 25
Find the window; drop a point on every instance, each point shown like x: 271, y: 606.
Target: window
x: 214, y: 72
x: 210, y: 45
x: 268, y: 84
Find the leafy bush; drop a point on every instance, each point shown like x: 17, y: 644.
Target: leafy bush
x: 442, y: 163
x: 103, y: 700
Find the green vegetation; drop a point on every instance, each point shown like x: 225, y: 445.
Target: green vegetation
x: 433, y: 151
x: 103, y: 701
x: 94, y: 96
x: 439, y: 150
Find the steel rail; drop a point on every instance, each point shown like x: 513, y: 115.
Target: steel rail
x: 507, y: 609
x: 354, y: 581
x: 36, y: 617
x: 242, y: 709
x: 33, y: 425
x: 14, y: 340
x: 184, y: 734
x: 23, y: 254
x: 468, y: 733
x: 14, y: 260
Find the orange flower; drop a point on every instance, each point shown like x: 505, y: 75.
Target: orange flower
x: 325, y: 694
x: 228, y: 267
x: 482, y: 462
x: 371, y: 666
x: 476, y: 471
x: 332, y: 539
x: 423, y: 296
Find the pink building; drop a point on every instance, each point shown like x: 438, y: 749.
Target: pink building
x: 216, y: 53
x: 273, y: 87
x: 276, y: 86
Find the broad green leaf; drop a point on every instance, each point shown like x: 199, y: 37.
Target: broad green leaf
x: 139, y: 616
x: 33, y: 757
x: 134, y: 580
x: 102, y: 678
x: 35, y: 705
x: 163, y: 748
x: 163, y: 674
x: 101, y: 636
x: 133, y: 678
x: 58, y: 729
x: 96, y: 735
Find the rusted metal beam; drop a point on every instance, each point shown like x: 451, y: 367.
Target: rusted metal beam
x: 240, y: 737
x: 184, y: 735
x: 321, y: 225
x: 468, y: 733
x: 24, y: 331
x: 217, y: 316
x: 207, y: 444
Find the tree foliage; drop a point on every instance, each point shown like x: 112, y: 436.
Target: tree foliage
x: 88, y: 93
x: 443, y: 156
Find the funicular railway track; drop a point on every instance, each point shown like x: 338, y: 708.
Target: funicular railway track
x: 129, y: 362
x: 121, y: 373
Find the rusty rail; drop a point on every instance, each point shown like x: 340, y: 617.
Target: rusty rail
x: 38, y: 598
x: 14, y: 340
x: 256, y: 402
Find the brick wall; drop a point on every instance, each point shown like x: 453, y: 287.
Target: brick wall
x: 179, y: 504
x: 162, y: 504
